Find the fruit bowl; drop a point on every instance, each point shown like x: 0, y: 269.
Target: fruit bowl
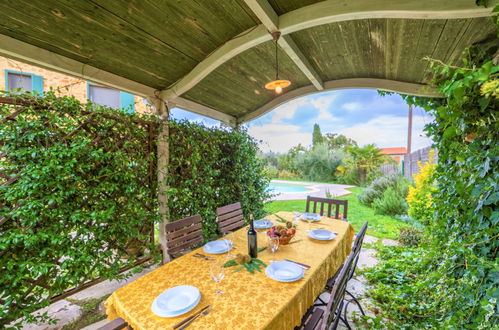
x: 285, y: 240
x: 283, y: 233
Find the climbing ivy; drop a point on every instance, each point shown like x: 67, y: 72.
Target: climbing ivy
x: 452, y: 281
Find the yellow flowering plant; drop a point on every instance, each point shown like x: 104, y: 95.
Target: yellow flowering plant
x: 419, y: 197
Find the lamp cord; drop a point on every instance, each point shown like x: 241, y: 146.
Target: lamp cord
x: 276, y: 63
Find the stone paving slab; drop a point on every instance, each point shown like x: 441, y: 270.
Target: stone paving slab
x: 65, y: 312
x: 315, y: 189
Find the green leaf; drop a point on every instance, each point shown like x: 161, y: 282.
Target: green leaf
x: 238, y: 269
x: 450, y: 132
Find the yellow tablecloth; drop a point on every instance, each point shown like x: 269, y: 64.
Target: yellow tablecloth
x: 249, y: 301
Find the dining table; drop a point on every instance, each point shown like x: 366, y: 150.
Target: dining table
x: 247, y: 301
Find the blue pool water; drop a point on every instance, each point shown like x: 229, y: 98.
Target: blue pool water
x: 286, y: 188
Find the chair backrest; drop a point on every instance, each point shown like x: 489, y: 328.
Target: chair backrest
x: 335, y: 304
x: 230, y: 217
x: 337, y: 203
x: 357, y: 246
x: 183, y: 234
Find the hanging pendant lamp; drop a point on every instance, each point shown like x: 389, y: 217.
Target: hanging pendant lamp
x: 278, y: 84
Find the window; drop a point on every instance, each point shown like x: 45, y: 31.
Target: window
x: 17, y: 81
x: 111, y: 97
x: 27, y: 82
x: 104, y: 96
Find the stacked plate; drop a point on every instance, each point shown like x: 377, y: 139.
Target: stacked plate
x: 322, y: 234
x: 218, y: 247
x: 310, y: 216
x: 284, y: 271
x: 176, y: 301
x: 263, y: 224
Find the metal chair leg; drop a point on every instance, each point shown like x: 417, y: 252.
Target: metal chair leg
x: 345, y: 322
x: 357, y: 302
x: 322, y: 302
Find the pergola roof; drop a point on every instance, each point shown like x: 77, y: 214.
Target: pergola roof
x: 214, y: 57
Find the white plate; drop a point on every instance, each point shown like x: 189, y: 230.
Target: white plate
x: 176, y: 301
x: 313, y: 216
x: 263, y: 224
x: 322, y: 234
x: 284, y: 271
x: 218, y: 247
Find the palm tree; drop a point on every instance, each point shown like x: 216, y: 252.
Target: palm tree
x: 367, y: 159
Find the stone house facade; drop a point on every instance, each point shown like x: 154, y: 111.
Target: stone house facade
x: 15, y: 74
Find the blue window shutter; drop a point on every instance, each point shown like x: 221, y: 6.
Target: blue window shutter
x: 127, y: 102
x: 6, y: 80
x: 37, y: 84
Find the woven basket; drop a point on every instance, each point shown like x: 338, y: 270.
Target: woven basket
x: 285, y: 240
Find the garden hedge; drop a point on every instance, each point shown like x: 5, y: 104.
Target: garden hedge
x: 78, y: 191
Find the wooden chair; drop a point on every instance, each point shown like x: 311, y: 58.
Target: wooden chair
x: 318, y: 318
x: 337, y: 203
x: 117, y: 324
x: 183, y: 234
x: 230, y: 217
x: 357, y: 246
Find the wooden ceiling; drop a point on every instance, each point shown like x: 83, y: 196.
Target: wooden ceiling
x: 214, y: 57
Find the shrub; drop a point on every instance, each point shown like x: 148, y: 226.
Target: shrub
x: 283, y: 174
x: 319, y: 163
x: 410, y: 236
x: 419, y: 197
x: 348, y: 175
x: 271, y: 171
x: 377, y: 188
x: 391, y: 203
x: 411, y: 221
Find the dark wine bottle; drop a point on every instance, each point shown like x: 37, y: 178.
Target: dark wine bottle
x: 252, y: 248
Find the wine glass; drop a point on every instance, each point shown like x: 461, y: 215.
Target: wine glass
x: 229, y: 243
x: 217, y: 272
x: 309, y: 221
x: 296, y: 215
x: 273, y: 246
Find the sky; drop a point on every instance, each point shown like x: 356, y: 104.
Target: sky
x: 360, y: 114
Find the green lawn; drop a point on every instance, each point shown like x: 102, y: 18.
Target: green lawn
x: 382, y: 226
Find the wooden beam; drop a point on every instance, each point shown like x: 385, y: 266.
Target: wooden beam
x: 326, y: 12
x: 27, y: 53
x: 246, y: 40
x: 369, y: 83
x: 192, y: 106
x: 295, y: 54
x: 266, y: 14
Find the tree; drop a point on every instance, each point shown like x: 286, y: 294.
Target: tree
x: 317, y: 137
x: 365, y: 159
x: 319, y: 163
x: 338, y: 141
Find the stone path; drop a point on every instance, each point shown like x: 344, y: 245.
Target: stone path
x: 315, y: 189
x: 358, y: 285
x: 65, y: 311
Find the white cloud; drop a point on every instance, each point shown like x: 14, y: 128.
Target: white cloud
x: 322, y: 104
x: 389, y: 131
x: 352, y: 106
x: 279, y: 137
x: 287, y: 110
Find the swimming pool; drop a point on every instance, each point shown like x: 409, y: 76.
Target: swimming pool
x: 287, y: 188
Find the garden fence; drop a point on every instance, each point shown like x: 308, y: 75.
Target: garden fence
x: 411, y: 160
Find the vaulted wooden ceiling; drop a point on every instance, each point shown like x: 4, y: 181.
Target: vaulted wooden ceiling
x: 214, y: 57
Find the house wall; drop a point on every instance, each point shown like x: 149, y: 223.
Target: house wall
x: 63, y: 85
